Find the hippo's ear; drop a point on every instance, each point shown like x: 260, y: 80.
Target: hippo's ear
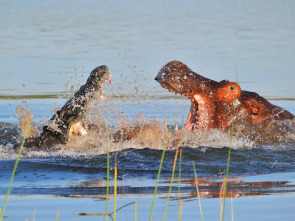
x: 224, y: 82
x: 254, y: 106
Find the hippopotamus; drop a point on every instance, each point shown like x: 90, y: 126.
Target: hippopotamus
x: 67, y: 120
x: 217, y: 105
x: 214, y: 105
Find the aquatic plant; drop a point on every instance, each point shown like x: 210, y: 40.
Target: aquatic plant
x: 135, y: 211
x: 232, y: 209
x: 222, y: 211
x: 108, y: 214
x: 57, y: 215
x: 108, y: 170
x: 198, y: 193
x: 28, y: 126
x: 158, y: 177
x: 179, y: 176
x: 115, y: 188
x: 160, y: 168
x: 172, y: 176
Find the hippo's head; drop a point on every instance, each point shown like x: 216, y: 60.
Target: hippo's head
x: 215, y: 104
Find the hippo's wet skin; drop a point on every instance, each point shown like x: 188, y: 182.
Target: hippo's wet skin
x: 215, y: 103
x: 58, y: 128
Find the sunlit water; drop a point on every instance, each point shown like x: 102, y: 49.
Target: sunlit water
x: 47, y: 51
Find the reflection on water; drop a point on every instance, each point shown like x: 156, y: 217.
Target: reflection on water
x: 209, y: 187
x: 137, y: 170
x: 236, y: 187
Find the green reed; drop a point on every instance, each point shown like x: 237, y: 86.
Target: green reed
x: 15, y: 166
x: 108, y: 170
x: 230, y: 145
x: 179, y: 176
x: 135, y: 211
x: 106, y: 214
x: 115, y: 188
x: 236, y: 69
x: 198, y: 193
x: 57, y: 215
x: 227, y: 167
x: 172, y: 177
x: 232, y: 209
x: 160, y: 168
x: 157, y: 181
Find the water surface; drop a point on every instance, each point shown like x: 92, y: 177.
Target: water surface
x: 48, y: 49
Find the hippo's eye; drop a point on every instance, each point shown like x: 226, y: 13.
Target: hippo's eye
x: 232, y: 88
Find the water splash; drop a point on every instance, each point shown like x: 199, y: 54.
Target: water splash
x: 140, y: 131
x: 25, y: 116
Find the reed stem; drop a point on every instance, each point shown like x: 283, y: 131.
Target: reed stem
x: 135, y: 211
x: 28, y: 126
x: 160, y: 168
x: 158, y: 177
x: 232, y: 209
x: 108, y: 170
x: 57, y: 215
x: 115, y: 188
x: 198, y: 193
x: 172, y: 177
x: 228, y: 161
x: 179, y: 176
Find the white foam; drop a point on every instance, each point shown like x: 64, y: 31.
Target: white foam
x: 153, y: 134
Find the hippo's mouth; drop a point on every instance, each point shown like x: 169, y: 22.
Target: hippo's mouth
x: 176, y: 90
x: 206, y: 95
x: 201, y: 114
x: 195, y: 117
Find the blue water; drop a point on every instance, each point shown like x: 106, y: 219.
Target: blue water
x: 48, y: 48
x: 45, y: 44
